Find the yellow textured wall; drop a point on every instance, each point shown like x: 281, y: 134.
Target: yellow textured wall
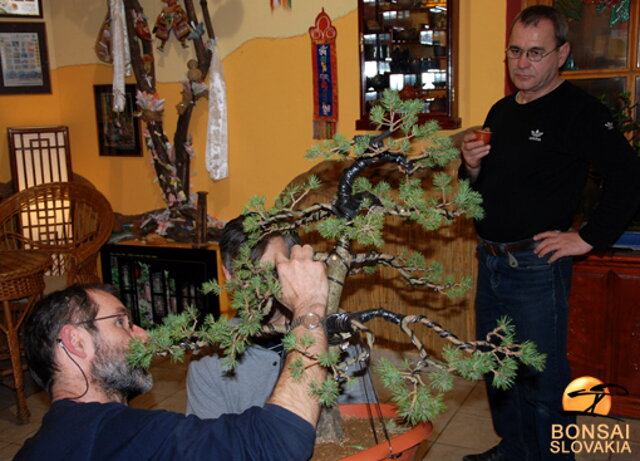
x: 481, y: 63
x: 268, y: 76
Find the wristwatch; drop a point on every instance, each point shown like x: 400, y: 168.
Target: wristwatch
x: 310, y: 321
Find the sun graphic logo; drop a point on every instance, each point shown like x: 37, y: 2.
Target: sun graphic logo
x: 589, y: 395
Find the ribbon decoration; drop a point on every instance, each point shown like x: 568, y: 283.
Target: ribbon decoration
x: 120, y: 52
x: 216, y: 157
x: 325, y: 78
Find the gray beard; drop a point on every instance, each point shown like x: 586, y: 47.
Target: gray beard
x: 113, y: 374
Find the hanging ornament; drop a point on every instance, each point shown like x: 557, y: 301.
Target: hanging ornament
x: 140, y: 26
x: 325, y: 78
x: 196, y: 30
x: 102, y: 46
x: 193, y: 88
x: 286, y: 4
x: 172, y: 18
x: 150, y: 105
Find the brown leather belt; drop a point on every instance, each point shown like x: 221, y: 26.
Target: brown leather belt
x: 499, y: 249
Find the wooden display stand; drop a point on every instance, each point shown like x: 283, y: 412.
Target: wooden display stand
x: 604, y: 323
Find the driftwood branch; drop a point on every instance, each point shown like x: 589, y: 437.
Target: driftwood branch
x: 171, y: 162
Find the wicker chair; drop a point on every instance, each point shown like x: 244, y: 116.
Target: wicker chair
x: 68, y: 220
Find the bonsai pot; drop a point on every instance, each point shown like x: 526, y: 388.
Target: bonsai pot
x: 404, y: 446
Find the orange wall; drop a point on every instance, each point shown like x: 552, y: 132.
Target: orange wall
x: 269, y: 93
x: 24, y: 111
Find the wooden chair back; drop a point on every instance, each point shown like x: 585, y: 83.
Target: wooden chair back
x: 68, y: 220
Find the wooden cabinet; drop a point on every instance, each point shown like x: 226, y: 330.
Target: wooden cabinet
x: 604, y: 323
x: 409, y: 46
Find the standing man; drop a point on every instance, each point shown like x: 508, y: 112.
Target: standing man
x: 76, y: 344
x: 531, y: 176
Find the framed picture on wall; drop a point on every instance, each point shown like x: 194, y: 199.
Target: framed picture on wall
x: 118, y: 132
x: 21, y: 8
x: 24, y: 64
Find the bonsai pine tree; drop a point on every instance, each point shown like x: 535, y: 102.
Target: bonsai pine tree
x: 357, y: 216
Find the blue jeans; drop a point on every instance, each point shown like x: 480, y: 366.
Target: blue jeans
x: 534, y: 294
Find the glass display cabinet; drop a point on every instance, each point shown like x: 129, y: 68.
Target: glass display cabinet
x: 605, y: 47
x: 155, y: 281
x: 605, y: 56
x: 409, y: 46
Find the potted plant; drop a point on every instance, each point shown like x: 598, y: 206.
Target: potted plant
x: 354, y: 223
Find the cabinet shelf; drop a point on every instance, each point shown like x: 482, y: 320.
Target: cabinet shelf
x: 410, y: 62
x: 428, y: 92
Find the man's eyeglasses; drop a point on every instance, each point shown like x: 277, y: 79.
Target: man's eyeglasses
x: 533, y: 54
x: 124, y: 320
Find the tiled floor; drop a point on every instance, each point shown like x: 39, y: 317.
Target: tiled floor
x: 464, y: 428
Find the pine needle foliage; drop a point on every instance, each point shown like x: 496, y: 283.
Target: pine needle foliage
x: 358, y: 214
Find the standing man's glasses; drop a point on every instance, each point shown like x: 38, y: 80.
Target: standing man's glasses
x: 533, y: 54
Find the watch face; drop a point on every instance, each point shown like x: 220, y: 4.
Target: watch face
x: 311, y: 321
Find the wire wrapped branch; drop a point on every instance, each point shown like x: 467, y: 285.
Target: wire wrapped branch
x: 292, y: 219
x: 405, y: 212
x: 346, y: 207
x: 398, y: 263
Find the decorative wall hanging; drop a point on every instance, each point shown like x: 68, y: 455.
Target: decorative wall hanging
x: 23, y: 58
x: 21, y: 8
x: 325, y: 77
x: 118, y: 132
x: 286, y: 4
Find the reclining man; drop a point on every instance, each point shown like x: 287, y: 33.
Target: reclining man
x: 76, y: 343
x: 211, y: 391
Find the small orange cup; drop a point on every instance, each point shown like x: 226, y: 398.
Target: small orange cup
x: 482, y: 135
